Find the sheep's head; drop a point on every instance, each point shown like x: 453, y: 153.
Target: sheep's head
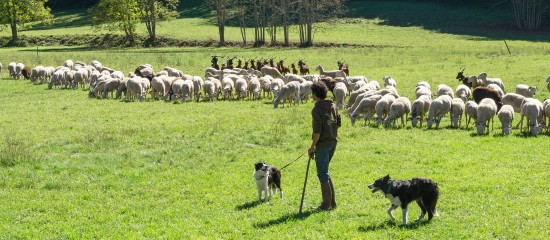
x: 480, y: 126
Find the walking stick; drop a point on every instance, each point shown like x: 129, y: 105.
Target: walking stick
x: 305, y: 182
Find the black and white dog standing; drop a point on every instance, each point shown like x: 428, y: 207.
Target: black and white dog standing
x: 402, y: 192
x: 268, y: 180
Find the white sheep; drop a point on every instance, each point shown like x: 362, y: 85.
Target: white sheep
x: 419, y: 108
x: 197, y: 87
x: 173, y: 72
x: 11, y: 69
x: 110, y: 86
x: 69, y: 77
x: 533, y: 110
x: 457, y: 110
x: 367, y: 107
x: 99, y: 87
x: 122, y: 88
x: 423, y: 83
x: 241, y: 88
x: 265, y: 84
x: 400, y: 108
x: 340, y: 91
x: 158, y: 87
x: 18, y: 68
x: 513, y: 99
x: 389, y: 81
x: 475, y: 82
x: 36, y: 74
x: 81, y: 77
x: 69, y: 64
x: 486, y: 81
x: 496, y: 88
x: 333, y: 73
x: 372, y: 85
x: 486, y: 111
x: 305, y: 90
x: 360, y: 98
x: 506, y: 116
x: 293, y: 77
x: 527, y: 91
x: 546, y: 108
x: 227, y: 87
x: 187, y: 91
x: 438, y: 108
x: 209, y: 89
x: 463, y: 92
x: 135, y: 89
x: 423, y: 91
x: 254, y: 88
x: 271, y: 71
x: 276, y: 85
x: 382, y: 107
x: 290, y: 91
x: 443, y: 89
x: 470, y: 111
x: 177, y: 87
x: 97, y: 65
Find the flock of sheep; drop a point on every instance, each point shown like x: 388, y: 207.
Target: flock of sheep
x: 366, y: 98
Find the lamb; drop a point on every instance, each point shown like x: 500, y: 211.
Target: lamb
x: 463, y: 92
x: 400, y: 108
x: 241, y: 87
x: 457, y: 110
x: 486, y: 111
x: 389, y: 81
x: 533, y: 110
x: 340, y: 91
x: 514, y: 100
x: 486, y: 81
x: 382, y: 107
x: 480, y: 93
x: 209, y: 89
x: 367, y: 107
x: 289, y: 91
x: 471, y: 111
x: 419, y: 108
x: 506, y: 116
x: 333, y: 74
x: 11, y: 69
x: 217, y: 87
x: 439, y: 107
x: 271, y: 71
x: 526, y: 91
x: 443, y: 89
x: 254, y: 88
x: 227, y: 85
x: 110, y: 86
x: 496, y: 88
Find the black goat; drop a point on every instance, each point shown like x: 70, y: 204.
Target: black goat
x: 460, y: 76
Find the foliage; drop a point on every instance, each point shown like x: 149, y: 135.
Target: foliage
x: 155, y: 11
x: 116, y: 15
x: 22, y: 13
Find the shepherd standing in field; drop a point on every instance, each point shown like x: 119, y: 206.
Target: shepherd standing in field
x: 325, y: 124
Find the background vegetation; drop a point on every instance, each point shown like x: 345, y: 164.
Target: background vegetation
x: 78, y: 167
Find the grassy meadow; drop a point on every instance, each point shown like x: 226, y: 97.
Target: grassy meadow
x: 77, y: 167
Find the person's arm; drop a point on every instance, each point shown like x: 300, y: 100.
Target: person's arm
x: 314, y: 141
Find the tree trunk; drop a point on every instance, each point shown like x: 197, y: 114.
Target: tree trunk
x: 14, y: 36
x: 13, y: 21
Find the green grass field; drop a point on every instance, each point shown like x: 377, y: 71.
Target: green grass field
x: 77, y: 167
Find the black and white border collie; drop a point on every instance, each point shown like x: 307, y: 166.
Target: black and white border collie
x: 403, y: 192
x: 268, y: 180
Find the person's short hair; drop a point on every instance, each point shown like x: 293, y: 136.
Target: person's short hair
x: 319, y: 89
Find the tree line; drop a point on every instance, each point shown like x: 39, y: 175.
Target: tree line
x: 265, y: 17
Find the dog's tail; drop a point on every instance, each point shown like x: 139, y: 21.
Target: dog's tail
x: 431, y: 202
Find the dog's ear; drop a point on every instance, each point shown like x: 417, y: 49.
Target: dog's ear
x: 387, y: 178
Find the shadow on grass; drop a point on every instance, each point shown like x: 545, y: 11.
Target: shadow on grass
x: 390, y: 224
x: 283, y: 219
x: 248, y: 205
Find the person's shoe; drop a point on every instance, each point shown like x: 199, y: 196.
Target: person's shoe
x: 327, y: 197
x: 333, y: 202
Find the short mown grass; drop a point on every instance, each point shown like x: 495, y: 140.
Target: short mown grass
x: 79, y: 167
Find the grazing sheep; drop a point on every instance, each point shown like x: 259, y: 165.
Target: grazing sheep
x: 135, y: 89
x: 69, y: 64
x: 173, y: 72
x: 57, y: 79
x: 533, y: 110
x: 81, y: 77
x: 471, y: 111
x: 480, y: 93
x: 486, y: 111
x: 333, y: 73
x: 400, y: 108
x: 423, y: 91
x: 99, y: 87
x: 227, y: 85
x: 97, y: 65
x: 546, y: 108
x: 289, y: 91
x: 513, y: 99
x: 360, y: 98
x: 293, y: 77
x: 486, y: 81
x: 276, y: 85
x: 367, y: 107
x: 177, y: 87
x: 526, y: 91
x: 158, y: 87
x: 443, y: 89
x: 187, y: 90
x: 382, y: 107
x: 340, y: 91
x: 439, y: 107
x: 372, y: 85
x: 474, y: 82
x: 271, y: 71
x: 110, y: 86
x: 69, y: 77
x: 265, y: 84
x: 254, y: 88
x: 389, y: 81
x: 305, y: 90
x: 18, y: 68
x: 457, y: 110
x: 463, y: 92
x: 11, y: 69
x: 424, y: 84
x: 506, y: 116
x: 241, y: 88
x: 419, y: 108
x: 122, y: 88
x: 197, y: 87
x: 209, y: 89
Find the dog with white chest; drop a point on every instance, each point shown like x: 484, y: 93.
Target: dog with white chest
x: 268, y: 180
x: 402, y: 192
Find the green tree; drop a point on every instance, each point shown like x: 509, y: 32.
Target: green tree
x: 116, y: 15
x: 20, y: 14
x: 154, y: 11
